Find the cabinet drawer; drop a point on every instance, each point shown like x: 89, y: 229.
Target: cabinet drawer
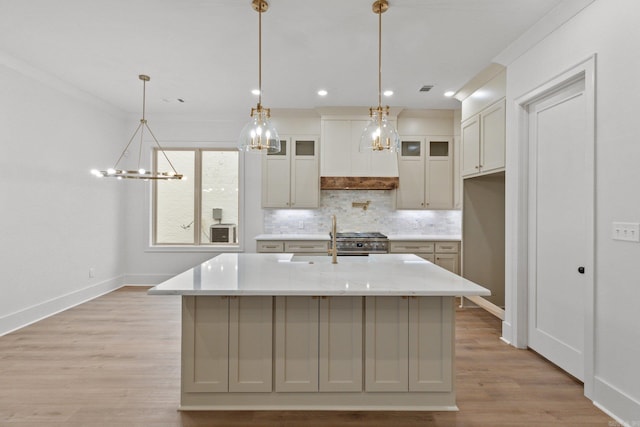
x: 270, y: 246
x: 306, y: 246
x: 447, y: 247
x: 411, y: 247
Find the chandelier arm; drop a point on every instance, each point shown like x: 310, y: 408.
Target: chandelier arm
x: 127, y: 146
x: 140, y: 145
x: 161, y: 149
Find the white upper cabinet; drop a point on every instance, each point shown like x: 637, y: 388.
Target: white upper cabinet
x: 290, y: 178
x: 340, y: 155
x: 425, y: 167
x: 483, y: 128
x: 483, y: 141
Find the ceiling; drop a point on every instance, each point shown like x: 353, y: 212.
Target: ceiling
x: 205, y: 52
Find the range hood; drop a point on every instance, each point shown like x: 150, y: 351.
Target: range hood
x: 359, y: 182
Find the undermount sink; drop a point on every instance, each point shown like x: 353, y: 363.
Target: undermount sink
x: 320, y: 259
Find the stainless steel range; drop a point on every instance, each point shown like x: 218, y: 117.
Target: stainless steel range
x: 361, y: 243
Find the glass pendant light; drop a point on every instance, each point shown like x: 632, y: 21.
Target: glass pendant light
x: 140, y: 172
x: 380, y: 134
x: 259, y: 134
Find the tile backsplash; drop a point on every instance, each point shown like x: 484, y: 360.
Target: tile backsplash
x: 379, y: 216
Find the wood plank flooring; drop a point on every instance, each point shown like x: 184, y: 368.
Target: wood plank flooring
x: 115, y: 361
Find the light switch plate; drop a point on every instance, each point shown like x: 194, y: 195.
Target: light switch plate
x: 627, y: 231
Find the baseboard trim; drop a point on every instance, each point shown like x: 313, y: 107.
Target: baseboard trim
x: 615, y: 403
x: 489, y: 306
x: 506, y: 332
x: 35, y: 313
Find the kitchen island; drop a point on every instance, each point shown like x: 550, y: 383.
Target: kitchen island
x: 277, y: 331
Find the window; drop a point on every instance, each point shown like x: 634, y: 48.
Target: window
x: 201, y: 210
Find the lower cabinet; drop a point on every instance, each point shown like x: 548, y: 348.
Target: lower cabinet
x: 230, y: 342
x: 307, y: 247
x: 409, y: 344
x: 318, y: 344
x: 340, y: 349
x: 443, y: 254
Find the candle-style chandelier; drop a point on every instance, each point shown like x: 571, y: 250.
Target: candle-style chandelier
x: 140, y: 172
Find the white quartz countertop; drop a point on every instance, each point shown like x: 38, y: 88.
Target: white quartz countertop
x: 324, y: 236
x: 236, y: 274
x: 431, y: 237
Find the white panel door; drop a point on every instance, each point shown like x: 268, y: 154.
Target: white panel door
x: 276, y: 175
x: 250, y: 344
x: 560, y: 214
x: 492, y: 137
x: 205, y: 343
x: 470, y: 146
x: 411, y: 161
x: 296, y: 344
x: 386, y: 344
x: 431, y: 341
x: 340, y: 344
x: 305, y: 175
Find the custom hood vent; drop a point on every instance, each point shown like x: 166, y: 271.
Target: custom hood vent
x: 358, y: 183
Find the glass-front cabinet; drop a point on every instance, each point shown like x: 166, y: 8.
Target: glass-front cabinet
x: 425, y: 168
x: 291, y: 178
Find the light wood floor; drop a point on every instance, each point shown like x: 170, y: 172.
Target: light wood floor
x: 115, y: 361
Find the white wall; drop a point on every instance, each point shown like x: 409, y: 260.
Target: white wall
x: 56, y: 219
x: 609, y: 29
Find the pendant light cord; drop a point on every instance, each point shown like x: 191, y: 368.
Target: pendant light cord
x: 379, y: 55
x: 260, y: 55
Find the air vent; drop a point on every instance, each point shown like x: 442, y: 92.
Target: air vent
x: 426, y: 88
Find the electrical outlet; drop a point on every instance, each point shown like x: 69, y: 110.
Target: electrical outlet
x: 627, y: 231
x: 92, y: 272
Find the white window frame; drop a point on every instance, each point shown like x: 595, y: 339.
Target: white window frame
x: 151, y: 193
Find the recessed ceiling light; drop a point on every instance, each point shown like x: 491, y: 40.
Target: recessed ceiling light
x: 256, y: 91
x: 322, y: 92
x: 388, y: 92
x: 449, y: 93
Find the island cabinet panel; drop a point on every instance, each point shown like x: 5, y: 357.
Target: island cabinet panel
x: 386, y: 344
x: 250, y: 344
x: 341, y: 344
x: 431, y: 323
x: 296, y: 344
x: 205, y: 334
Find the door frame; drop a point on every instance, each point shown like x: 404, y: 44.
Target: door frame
x: 518, y: 228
